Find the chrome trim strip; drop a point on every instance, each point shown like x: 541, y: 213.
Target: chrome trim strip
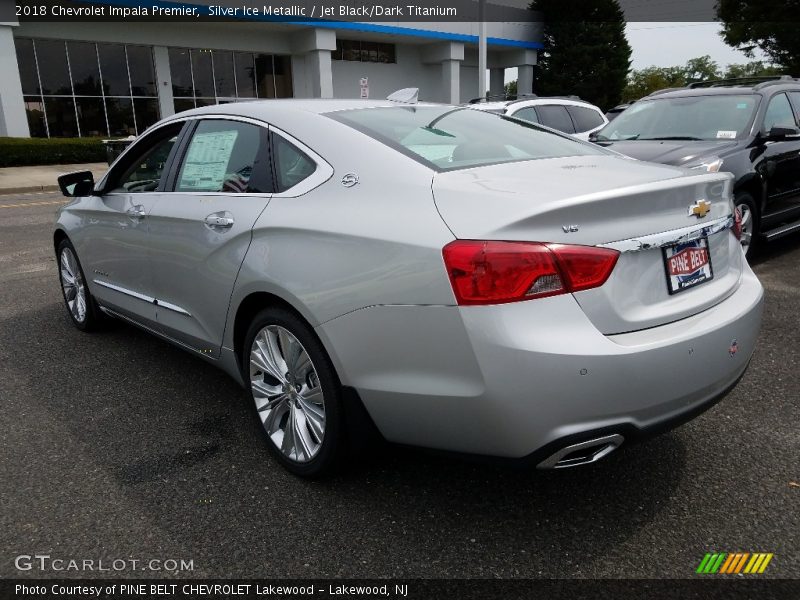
x: 125, y: 291
x: 670, y: 238
x: 173, y: 307
x: 148, y: 299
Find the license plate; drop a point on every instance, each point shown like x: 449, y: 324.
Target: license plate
x: 687, y: 265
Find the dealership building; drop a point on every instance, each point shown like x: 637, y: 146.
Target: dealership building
x: 92, y: 78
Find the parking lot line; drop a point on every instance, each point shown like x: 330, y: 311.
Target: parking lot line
x: 24, y: 204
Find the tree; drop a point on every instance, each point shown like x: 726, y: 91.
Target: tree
x: 765, y: 24
x: 590, y: 57
x: 644, y: 81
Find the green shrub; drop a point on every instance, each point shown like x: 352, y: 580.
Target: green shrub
x: 15, y: 152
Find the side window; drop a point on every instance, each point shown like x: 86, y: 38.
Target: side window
x: 555, y: 116
x: 143, y: 171
x: 225, y: 156
x: 292, y: 165
x: 779, y: 113
x: 527, y: 114
x: 795, y: 97
x: 585, y: 118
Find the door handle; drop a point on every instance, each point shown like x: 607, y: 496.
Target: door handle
x: 136, y: 212
x: 218, y: 221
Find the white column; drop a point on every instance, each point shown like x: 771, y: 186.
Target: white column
x: 13, y: 121
x: 451, y: 80
x: 166, y: 102
x: 320, y: 71
x: 497, y: 83
x: 481, y: 48
x: 525, y: 79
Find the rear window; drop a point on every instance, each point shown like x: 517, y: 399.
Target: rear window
x: 447, y: 138
x: 585, y: 118
x: 555, y: 116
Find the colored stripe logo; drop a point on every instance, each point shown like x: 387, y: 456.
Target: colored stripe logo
x: 734, y: 563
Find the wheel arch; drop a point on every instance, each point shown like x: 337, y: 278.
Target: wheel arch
x: 753, y: 185
x: 59, y: 235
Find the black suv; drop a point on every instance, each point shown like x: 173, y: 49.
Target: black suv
x: 749, y: 127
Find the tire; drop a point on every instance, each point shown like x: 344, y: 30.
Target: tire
x: 751, y: 222
x: 78, y: 300
x: 307, y: 394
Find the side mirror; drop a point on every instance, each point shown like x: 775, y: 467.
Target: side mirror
x: 593, y: 136
x: 79, y: 183
x: 777, y: 134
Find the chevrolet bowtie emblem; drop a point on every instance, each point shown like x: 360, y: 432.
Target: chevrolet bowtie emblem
x: 700, y: 208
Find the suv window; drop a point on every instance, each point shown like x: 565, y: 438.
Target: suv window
x: 795, y: 98
x: 143, y: 170
x: 292, y: 165
x: 225, y: 156
x: 555, y: 116
x: 527, y: 114
x: 584, y: 118
x: 779, y: 113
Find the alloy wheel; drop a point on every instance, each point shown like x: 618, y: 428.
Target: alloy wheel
x: 72, y: 285
x: 746, y: 216
x: 287, y: 393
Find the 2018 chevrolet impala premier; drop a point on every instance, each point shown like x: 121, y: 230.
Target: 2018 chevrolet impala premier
x: 476, y: 283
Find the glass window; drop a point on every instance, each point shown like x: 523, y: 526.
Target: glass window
x: 223, y: 74
x: 84, y: 68
x: 34, y: 110
x: 202, y: 72
x: 585, y: 118
x: 146, y: 111
x: 61, y: 117
x: 142, y: 70
x: 527, y: 114
x: 446, y: 138
x: 292, y: 165
x: 245, y: 75
x: 779, y: 113
x: 182, y: 104
x: 146, y: 167
x: 27, y: 66
x: 704, y: 117
x: 180, y: 68
x: 265, y: 84
x: 795, y: 96
x: 283, y: 76
x: 91, y: 117
x: 53, y: 69
x: 120, y: 117
x: 555, y: 116
x: 363, y: 51
x: 224, y: 156
x: 114, y: 69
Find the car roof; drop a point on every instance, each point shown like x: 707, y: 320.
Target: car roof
x: 724, y: 91
x: 522, y: 102
x: 259, y: 109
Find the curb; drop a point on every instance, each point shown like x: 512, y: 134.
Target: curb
x: 26, y: 190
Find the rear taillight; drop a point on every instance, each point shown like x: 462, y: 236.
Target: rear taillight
x: 737, y: 223
x: 489, y: 272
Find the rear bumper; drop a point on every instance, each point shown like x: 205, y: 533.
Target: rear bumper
x: 520, y: 380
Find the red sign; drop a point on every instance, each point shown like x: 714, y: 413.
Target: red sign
x: 687, y: 261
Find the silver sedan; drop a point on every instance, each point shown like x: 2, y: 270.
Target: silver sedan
x: 449, y: 278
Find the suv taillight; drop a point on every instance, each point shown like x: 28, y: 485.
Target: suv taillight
x: 489, y: 272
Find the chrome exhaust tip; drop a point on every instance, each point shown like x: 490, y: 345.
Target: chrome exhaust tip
x: 582, y: 453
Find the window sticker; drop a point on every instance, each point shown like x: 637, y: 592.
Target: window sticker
x: 207, y: 160
x: 726, y: 135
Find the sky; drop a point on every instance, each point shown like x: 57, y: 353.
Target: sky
x: 667, y: 44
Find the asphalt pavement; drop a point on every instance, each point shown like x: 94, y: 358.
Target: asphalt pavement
x: 117, y: 445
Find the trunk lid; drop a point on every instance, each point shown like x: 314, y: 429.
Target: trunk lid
x: 599, y: 200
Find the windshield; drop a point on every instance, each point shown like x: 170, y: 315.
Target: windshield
x: 447, y: 138
x: 723, y: 117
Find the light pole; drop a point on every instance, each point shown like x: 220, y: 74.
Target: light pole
x: 481, y: 48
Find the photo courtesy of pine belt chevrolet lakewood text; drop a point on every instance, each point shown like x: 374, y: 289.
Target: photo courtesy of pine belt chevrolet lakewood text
x: 451, y: 278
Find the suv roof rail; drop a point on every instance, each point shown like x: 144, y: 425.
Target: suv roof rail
x: 783, y: 79
x: 501, y: 97
x: 739, y: 81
